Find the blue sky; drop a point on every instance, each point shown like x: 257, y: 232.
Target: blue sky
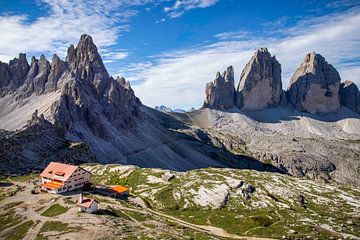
x: 169, y: 49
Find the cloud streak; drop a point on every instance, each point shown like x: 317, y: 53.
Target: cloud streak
x: 177, y: 79
x: 182, y: 6
x: 64, y: 22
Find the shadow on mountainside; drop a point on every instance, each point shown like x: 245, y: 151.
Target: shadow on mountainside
x: 33, y: 147
x: 280, y: 114
x: 201, y: 142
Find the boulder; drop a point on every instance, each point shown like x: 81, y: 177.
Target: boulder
x: 167, y: 176
x: 220, y: 94
x: 350, y: 96
x: 314, y: 87
x: 260, y: 83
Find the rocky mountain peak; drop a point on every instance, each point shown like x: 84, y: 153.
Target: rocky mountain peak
x: 260, y: 83
x: 315, y: 85
x: 228, y: 75
x: 350, y: 96
x: 12, y: 74
x: 85, y: 64
x: 221, y: 92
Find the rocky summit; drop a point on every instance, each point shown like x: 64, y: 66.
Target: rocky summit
x: 220, y: 93
x: 260, y: 82
x: 350, y: 96
x: 314, y: 87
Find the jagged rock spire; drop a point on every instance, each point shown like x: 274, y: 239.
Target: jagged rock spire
x: 350, y: 96
x: 12, y: 74
x: 260, y: 83
x: 314, y: 87
x: 220, y: 93
x: 58, y: 67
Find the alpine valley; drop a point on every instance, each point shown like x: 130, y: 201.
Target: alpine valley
x: 256, y: 161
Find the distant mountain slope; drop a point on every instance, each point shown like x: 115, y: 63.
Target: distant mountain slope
x: 317, y: 146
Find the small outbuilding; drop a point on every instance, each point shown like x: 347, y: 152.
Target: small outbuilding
x: 119, y: 191
x: 88, y: 205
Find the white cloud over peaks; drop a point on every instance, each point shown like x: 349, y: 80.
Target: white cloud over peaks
x: 181, y: 6
x: 177, y: 79
x: 63, y: 24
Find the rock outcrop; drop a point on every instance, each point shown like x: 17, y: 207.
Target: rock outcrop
x: 260, y: 82
x: 314, y: 87
x: 57, y: 69
x: 12, y: 74
x: 220, y: 93
x: 350, y: 96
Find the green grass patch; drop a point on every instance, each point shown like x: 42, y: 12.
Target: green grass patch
x: 56, y: 226
x: 166, y: 197
x: 139, y: 216
x: 20, y: 231
x: 262, y: 220
x: 54, y: 210
x: 8, y: 219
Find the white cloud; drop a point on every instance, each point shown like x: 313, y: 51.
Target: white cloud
x: 181, y: 6
x: 177, y: 79
x: 114, y: 55
x: 63, y: 24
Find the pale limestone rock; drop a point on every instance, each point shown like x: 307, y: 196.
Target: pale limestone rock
x: 260, y: 82
x: 220, y: 94
x: 314, y: 87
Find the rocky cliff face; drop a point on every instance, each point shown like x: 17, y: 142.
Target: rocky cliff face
x: 220, y: 93
x: 12, y: 74
x: 260, y: 83
x: 350, y: 96
x: 314, y: 87
x: 90, y: 98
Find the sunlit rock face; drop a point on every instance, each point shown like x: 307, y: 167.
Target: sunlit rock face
x: 220, y: 93
x: 314, y: 87
x: 260, y: 82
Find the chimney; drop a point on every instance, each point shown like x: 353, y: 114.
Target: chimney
x: 81, y: 198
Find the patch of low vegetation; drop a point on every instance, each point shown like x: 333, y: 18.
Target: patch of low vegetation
x: 69, y: 200
x: 8, y: 193
x: 39, y: 209
x: 24, y: 178
x: 20, y: 231
x: 138, y: 216
x: 262, y: 220
x: 56, y: 226
x: 272, y: 209
x: 54, y: 210
x: 166, y: 197
x: 8, y: 219
x: 13, y: 204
